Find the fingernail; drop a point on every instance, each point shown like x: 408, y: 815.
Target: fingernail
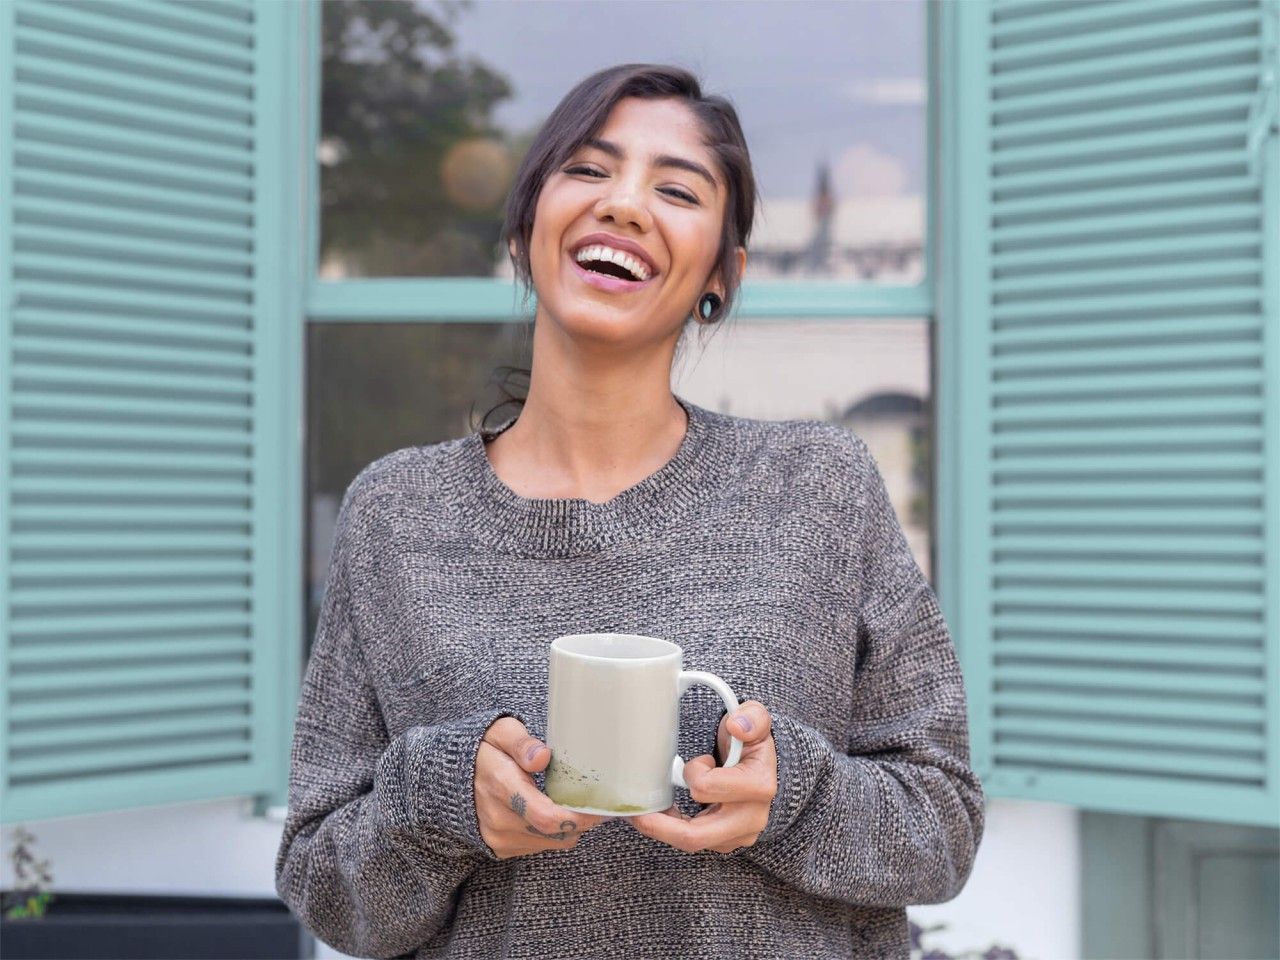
x: 744, y: 723
x: 533, y: 751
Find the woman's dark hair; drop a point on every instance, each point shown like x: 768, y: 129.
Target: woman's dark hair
x: 581, y: 114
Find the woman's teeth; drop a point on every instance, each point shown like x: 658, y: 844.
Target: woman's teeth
x: 607, y: 254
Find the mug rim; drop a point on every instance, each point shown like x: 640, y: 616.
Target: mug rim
x: 674, y: 652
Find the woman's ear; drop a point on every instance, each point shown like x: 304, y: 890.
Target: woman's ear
x: 741, y: 253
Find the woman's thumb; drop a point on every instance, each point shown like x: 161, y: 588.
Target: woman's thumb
x: 512, y: 737
x: 532, y: 754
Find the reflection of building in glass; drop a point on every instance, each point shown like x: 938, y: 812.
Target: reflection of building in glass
x: 896, y: 428
x: 871, y: 238
x: 824, y: 205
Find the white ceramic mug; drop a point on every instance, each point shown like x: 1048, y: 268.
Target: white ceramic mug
x: 612, y: 722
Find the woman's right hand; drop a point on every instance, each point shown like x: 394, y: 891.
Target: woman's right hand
x: 515, y: 816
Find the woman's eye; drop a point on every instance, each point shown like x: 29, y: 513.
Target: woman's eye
x: 672, y: 191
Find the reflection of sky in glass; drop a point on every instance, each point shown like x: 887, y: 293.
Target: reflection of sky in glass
x: 813, y: 80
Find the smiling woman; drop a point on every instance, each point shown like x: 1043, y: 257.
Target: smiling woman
x: 769, y: 551
x: 641, y: 151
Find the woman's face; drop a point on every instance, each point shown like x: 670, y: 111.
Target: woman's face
x: 623, y: 185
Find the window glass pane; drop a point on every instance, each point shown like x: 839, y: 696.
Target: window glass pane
x: 426, y: 113
x: 872, y: 376
x: 374, y: 388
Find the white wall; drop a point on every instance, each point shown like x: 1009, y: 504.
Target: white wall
x: 1023, y: 892
x: 202, y: 848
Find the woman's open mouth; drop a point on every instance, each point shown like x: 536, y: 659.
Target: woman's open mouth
x: 609, y: 277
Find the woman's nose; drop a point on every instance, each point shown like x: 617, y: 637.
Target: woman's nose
x: 623, y: 205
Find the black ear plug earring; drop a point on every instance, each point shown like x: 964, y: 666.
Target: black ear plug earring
x: 708, y: 305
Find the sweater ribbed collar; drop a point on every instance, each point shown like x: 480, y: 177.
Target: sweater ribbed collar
x: 574, y: 526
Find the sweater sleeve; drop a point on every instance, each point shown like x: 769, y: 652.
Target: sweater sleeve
x: 894, y: 816
x: 380, y: 832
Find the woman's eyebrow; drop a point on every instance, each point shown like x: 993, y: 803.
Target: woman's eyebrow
x: 657, y: 159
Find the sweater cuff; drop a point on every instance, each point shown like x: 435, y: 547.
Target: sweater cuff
x: 442, y: 773
x: 805, y: 758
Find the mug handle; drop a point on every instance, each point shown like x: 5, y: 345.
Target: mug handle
x: 684, y: 681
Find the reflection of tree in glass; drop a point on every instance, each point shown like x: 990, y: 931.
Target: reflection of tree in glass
x: 376, y: 387
x: 414, y: 173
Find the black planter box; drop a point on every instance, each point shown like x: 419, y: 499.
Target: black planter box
x: 107, y: 926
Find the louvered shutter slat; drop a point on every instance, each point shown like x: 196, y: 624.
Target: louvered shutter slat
x: 102, y: 219
x: 110, y: 598
x: 89, y: 270
x: 1205, y: 766
x: 35, y: 431
x: 92, y: 542
x: 69, y: 654
x: 1109, y: 732
x: 1226, y: 271
x: 235, y: 364
x: 1192, y: 683
x: 1129, y: 624
x: 164, y: 462
x: 1109, y: 705
x: 1172, y: 571
x: 1086, y: 251
x: 79, y: 378
x: 1095, y: 385
x: 45, y: 768
x: 104, y: 708
x: 53, y: 405
x: 1221, y: 435
x: 108, y: 734
x: 1206, y: 163
x: 1212, y: 654
x: 1017, y: 414
x: 86, y: 680
x: 38, y: 627
x: 179, y: 331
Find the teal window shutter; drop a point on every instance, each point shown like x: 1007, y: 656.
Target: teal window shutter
x: 1113, y: 342
x: 149, y: 572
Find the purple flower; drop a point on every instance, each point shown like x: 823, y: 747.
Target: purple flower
x: 915, y: 934
x: 937, y: 955
x: 999, y: 953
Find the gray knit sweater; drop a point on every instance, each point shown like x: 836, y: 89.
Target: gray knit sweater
x: 770, y: 552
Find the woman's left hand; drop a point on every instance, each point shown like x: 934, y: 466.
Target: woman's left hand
x: 739, y: 796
